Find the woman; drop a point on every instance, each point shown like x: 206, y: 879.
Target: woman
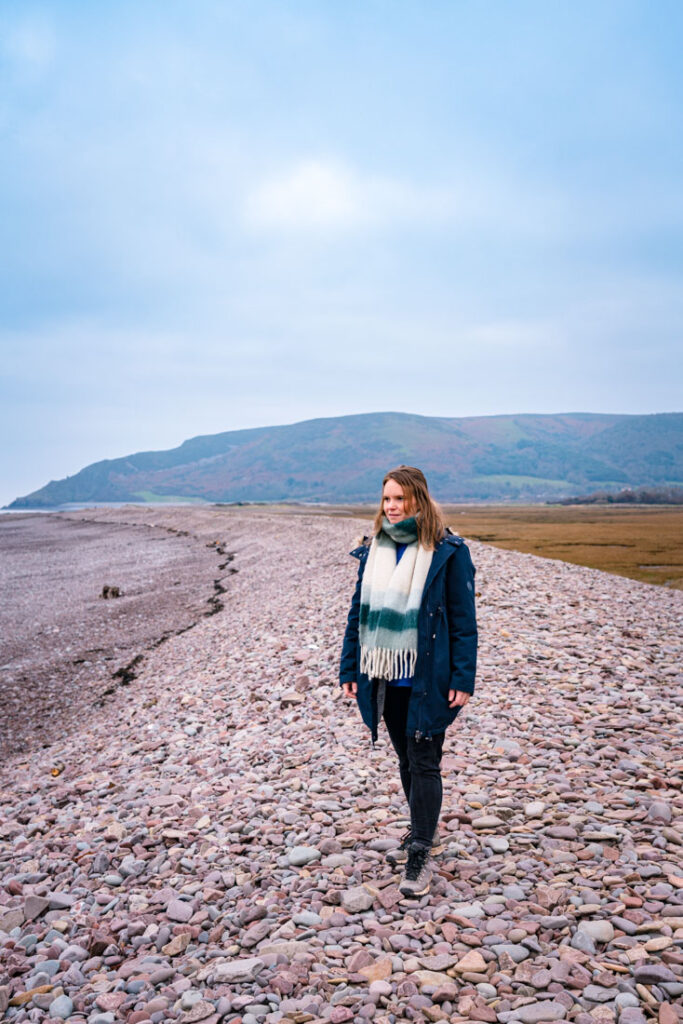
x: 410, y: 650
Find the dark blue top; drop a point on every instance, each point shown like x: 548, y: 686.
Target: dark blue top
x: 404, y: 680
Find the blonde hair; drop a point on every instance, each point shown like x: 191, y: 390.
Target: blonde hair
x: 430, y: 524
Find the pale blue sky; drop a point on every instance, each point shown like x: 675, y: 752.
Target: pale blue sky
x: 224, y: 215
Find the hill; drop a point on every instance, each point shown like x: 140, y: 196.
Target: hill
x: 342, y: 459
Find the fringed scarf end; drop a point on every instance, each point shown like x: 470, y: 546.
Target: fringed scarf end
x: 383, y: 663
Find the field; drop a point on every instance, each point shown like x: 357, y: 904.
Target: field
x: 643, y: 542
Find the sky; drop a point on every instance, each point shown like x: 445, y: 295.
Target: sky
x: 217, y: 215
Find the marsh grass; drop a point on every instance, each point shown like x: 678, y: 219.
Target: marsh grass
x: 642, y: 543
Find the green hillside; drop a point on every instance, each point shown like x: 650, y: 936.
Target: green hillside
x: 342, y: 459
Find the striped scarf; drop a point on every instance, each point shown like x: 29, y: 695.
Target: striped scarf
x: 390, y: 600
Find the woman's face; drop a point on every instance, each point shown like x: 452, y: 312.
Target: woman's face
x: 395, y: 504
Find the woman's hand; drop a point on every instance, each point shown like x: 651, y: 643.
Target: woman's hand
x: 457, y: 699
x: 350, y: 689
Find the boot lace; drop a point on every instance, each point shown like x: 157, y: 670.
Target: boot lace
x: 417, y: 858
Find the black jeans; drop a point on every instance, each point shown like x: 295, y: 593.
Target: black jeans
x: 419, y: 764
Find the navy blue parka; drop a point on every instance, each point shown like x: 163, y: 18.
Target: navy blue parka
x: 446, y: 641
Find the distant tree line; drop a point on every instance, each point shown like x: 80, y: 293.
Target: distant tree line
x: 671, y: 495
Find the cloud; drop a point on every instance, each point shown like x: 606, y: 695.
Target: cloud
x: 311, y: 195
x: 327, y: 195
x: 517, y: 335
x: 324, y: 196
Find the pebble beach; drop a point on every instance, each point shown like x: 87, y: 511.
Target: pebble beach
x: 202, y: 837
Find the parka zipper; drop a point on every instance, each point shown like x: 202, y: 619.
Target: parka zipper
x: 419, y: 735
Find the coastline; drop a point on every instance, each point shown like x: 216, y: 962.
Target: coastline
x: 63, y: 645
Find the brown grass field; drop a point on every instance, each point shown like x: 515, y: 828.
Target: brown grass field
x: 643, y: 542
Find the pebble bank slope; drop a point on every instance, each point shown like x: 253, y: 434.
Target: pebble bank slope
x: 210, y: 845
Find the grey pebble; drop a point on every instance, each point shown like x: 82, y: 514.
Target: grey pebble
x: 515, y: 951
x: 623, y: 999
x: 598, y: 994
x: 632, y: 1015
x: 61, y: 1007
x: 301, y: 855
x: 547, y: 1010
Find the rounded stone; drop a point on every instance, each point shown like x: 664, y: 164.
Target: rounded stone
x: 546, y: 1010
x: 356, y: 900
x: 499, y: 844
x: 179, y: 910
x: 300, y: 855
x: 61, y: 1007
x: 599, y: 931
x: 598, y: 994
x: 624, y: 999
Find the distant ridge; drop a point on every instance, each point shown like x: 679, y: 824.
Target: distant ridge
x: 528, y: 457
